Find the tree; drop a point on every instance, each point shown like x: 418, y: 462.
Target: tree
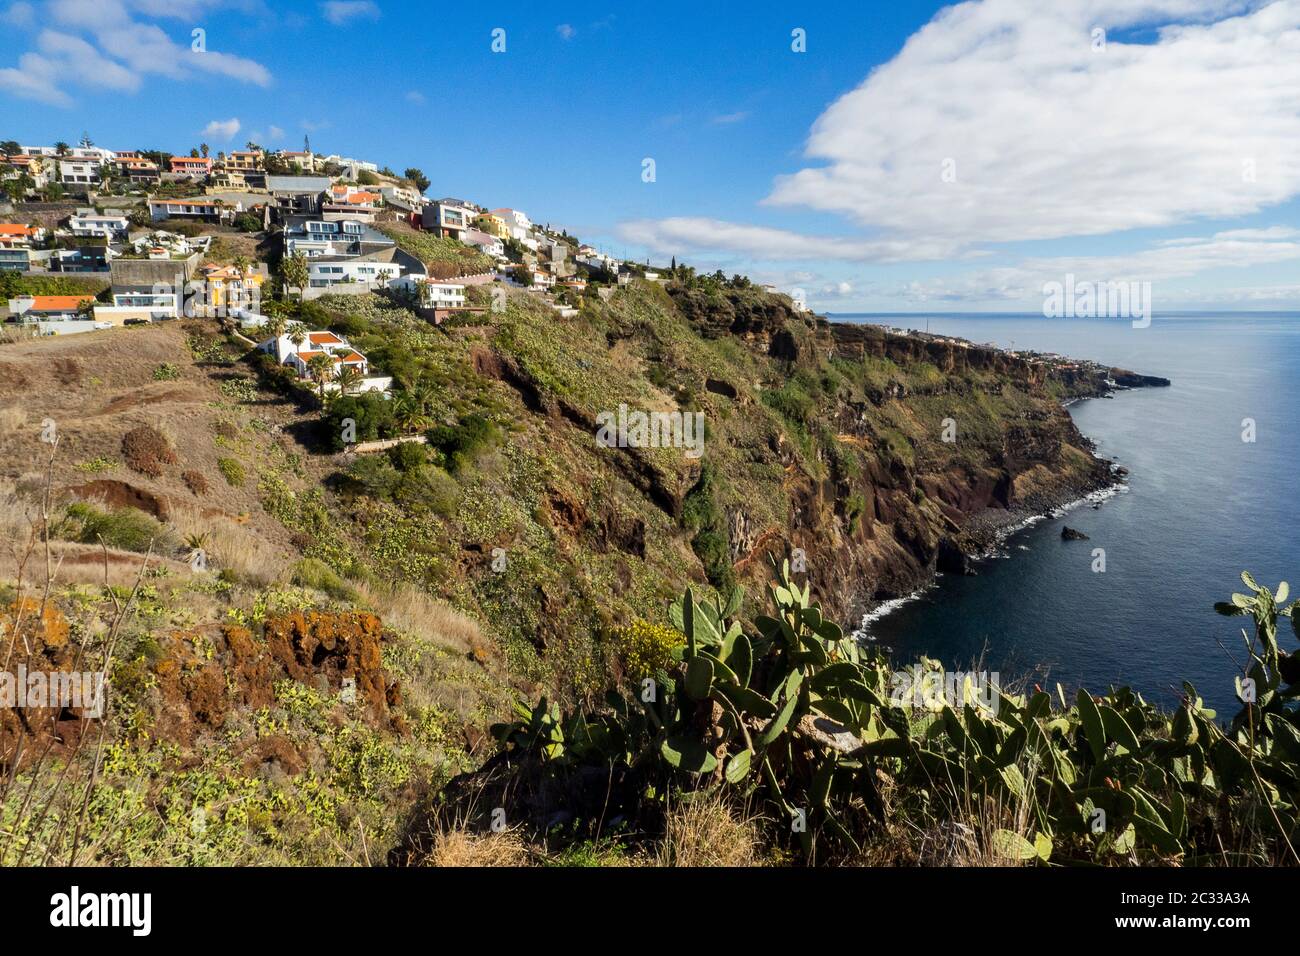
x: 321, y: 368
x: 407, y: 415
x: 297, y: 333
x: 367, y: 178
x: 10, y: 148
x: 294, y: 272
x: 203, y: 150
x: 61, y: 148
x: 417, y: 178
x: 348, y: 378
x: 275, y: 324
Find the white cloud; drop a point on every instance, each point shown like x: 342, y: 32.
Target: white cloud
x: 342, y: 12
x: 1050, y: 138
x: 726, y: 119
x: 415, y: 96
x: 275, y: 133
x: 19, y: 14
x: 222, y: 129
x: 692, y: 233
x: 566, y: 31
x: 99, y: 44
x: 1159, y: 263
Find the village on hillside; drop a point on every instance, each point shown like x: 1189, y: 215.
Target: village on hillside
x: 92, y: 239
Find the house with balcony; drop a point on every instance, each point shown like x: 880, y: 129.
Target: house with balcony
x: 78, y: 172
x: 447, y: 219
x: 228, y: 288
x: 245, y: 160
x: 197, y: 209
x: 326, y: 273
x: 88, y: 224
x: 200, y: 166
x: 343, y: 238
x: 137, y: 169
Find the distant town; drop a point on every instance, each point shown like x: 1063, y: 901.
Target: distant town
x: 212, y: 234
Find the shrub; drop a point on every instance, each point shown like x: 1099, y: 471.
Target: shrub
x: 146, y: 450
x: 372, y: 415
x: 312, y: 573
x: 408, y: 455
x: 232, y: 470
x: 460, y: 444
x: 166, y: 372
x: 129, y: 529
x: 431, y: 487
x: 196, y: 482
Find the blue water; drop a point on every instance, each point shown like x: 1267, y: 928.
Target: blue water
x: 1201, y: 505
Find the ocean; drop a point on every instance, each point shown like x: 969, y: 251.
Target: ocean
x: 1201, y: 504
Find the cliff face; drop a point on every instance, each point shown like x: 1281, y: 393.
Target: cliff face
x: 945, y: 443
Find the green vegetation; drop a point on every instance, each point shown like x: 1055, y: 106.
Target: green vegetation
x: 826, y: 737
x: 232, y: 470
x: 127, y: 528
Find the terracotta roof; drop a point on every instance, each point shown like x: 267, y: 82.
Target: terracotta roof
x: 59, y: 303
x: 324, y: 338
x: 16, y: 229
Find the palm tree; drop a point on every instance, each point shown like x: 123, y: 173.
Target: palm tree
x: 348, y: 378
x: 406, y: 413
x: 61, y: 148
x: 297, y: 333
x: 321, y: 368
x: 423, y: 394
x: 275, y: 324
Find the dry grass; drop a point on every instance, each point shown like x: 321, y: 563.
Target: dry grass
x: 229, y: 544
x: 459, y: 847
x: 407, y: 608
x: 12, y: 418
x: 707, y: 831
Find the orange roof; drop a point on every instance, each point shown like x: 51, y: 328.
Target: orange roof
x: 58, y: 303
x: 324, y: 338
x: 16, y: 229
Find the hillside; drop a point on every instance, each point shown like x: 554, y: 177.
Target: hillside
x: 505, y: 557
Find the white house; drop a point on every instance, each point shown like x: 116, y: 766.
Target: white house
x: 206, y: 210
x: 79, y: 171
x: 336, y: 348
x: 88, y: 223
x: 322, y: 274
x: 487, y: 243
x: 434, y: 293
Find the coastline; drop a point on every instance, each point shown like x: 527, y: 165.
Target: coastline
x: 994, y: 527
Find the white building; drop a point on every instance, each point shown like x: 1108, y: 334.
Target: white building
x: 80, y: 172
x: 517, y: 222
x: 323, y: 274
x: 88, y: 223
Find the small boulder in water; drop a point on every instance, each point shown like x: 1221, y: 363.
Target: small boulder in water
x: 1070, y: 534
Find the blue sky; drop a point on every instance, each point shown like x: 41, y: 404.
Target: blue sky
x: 911, y: 158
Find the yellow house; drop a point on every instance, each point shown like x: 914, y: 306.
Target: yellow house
x: 492, y: 225
x: 245, y: 160
x: 229, y: 288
